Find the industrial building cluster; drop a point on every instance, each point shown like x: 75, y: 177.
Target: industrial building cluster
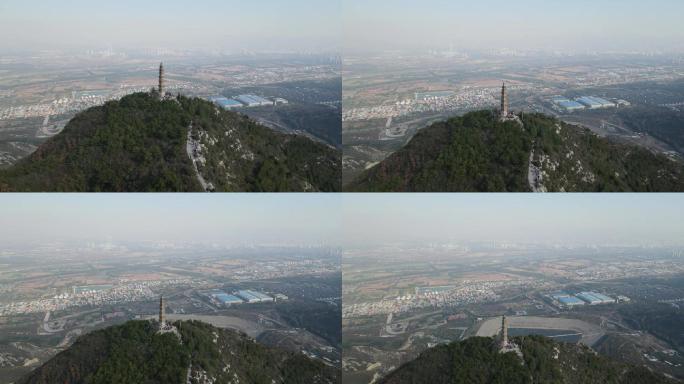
x: 585, y: 102
x: 566, y: 300
x: 245, y: 101
x: 242, y: 296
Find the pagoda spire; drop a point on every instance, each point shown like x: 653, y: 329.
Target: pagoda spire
x: 504, y: 101
x: 161, y: 80
x: 161, y: 312
x: 504, y: 332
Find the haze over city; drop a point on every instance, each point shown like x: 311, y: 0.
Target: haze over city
x: 212, y: 25
x: 580, y: 26
x: 76, y: 264
x: 429, y: 274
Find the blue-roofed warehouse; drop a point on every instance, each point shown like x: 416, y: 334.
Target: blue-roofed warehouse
x: 225, y: 102
x: 254, y: 297
x: 570, y: 301
x: 595, y: 102
x: 253, y: 100
x: 227, y: 299
x: 570, y: 105
x: 594, y: 298
x: 604, y: 299
x: 261, y: 296
x: 217, y: 99
x: 229, y: 104
x: 565, y: 299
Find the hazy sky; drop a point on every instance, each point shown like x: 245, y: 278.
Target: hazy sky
x: 213, y: 218
x: 213, y: 24
x: 339, y: 219
x: 609, y: 219
x: 526, y: 24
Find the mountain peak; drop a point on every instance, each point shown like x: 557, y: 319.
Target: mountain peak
x: 136, y: 352
x: 478, y: 152
x: 540, y: 360
x: 141, y: 143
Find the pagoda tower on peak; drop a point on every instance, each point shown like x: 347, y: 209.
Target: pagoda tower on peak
x: 504, y: 102
x: 161, y: 80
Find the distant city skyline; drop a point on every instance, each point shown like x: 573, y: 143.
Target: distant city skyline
x: 225, y: 219
x: 267, y: 25
x: 581, y: 25
x: 572, y: 219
